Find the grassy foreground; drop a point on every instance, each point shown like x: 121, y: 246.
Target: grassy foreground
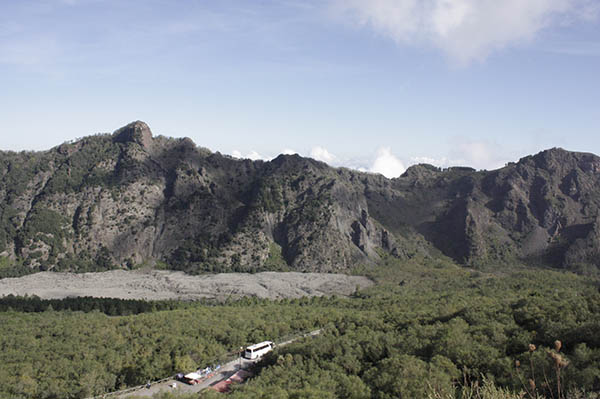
x: 428, y: 329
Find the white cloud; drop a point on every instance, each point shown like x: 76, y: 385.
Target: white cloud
x: 466, y: 30
x: 478, y: 154
x: 387, y: 164
x: 321, y: 154
x: 439, y: 162
x: 253, y: 155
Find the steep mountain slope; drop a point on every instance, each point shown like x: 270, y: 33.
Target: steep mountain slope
x: 128, y: 198
x: 543, y: 210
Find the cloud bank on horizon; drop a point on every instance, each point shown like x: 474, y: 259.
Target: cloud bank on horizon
x: 477, y: 154
x: 466, y: 30
x: 384, y: 161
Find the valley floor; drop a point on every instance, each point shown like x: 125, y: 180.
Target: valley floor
x: 161, y: 284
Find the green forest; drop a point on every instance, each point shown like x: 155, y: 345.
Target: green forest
x: 426, y: 329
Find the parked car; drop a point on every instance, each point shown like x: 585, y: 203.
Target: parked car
x: 190, y: 378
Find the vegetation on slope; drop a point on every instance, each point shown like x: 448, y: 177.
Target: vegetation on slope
x: 434, y: 332
x: 66, y: 354
x: 108, y: 306
x: 127, y: 199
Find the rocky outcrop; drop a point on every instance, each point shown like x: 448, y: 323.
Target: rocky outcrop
x: 136, y: 132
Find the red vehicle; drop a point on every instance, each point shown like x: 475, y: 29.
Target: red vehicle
x: 191, y: 378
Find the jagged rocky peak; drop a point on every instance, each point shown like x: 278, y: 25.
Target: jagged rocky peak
x: 295, y: 162
x: 135, y: 132
x: 562, y: 161
x: 282, y: 159
x: 548, y: 158
x: 421, y: 170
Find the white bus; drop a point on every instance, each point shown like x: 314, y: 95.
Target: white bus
x: 257, y: 350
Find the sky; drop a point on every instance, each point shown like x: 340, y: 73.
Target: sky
x: 375, y: 85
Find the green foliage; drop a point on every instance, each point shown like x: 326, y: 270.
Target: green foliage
x: 108, y: 306
x: 8, y: 228
x: 425, y: 330
x: 11, y: 268
x: 103, y: 259
x: 18, y: 169
x: 275, y: 261
x: 268, y: 196
x: 5, y: 262
x: 81, y: 167
x: 45, y: 221
x: 435, y: 331
x: 66, y: 354
x: 486, y: 390
x: 194, y: 255
x: 47, y: 226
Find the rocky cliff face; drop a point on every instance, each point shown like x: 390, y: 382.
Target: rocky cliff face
x: 128, y: 198
x: 542, y: 210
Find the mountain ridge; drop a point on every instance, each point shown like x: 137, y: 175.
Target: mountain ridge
x: 129, y: 198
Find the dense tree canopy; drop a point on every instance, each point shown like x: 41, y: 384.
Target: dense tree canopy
x: 426, y: 329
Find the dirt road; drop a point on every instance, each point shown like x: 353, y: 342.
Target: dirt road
x: 226, y: 371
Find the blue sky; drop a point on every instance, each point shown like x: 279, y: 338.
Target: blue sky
x: 371, y: 84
